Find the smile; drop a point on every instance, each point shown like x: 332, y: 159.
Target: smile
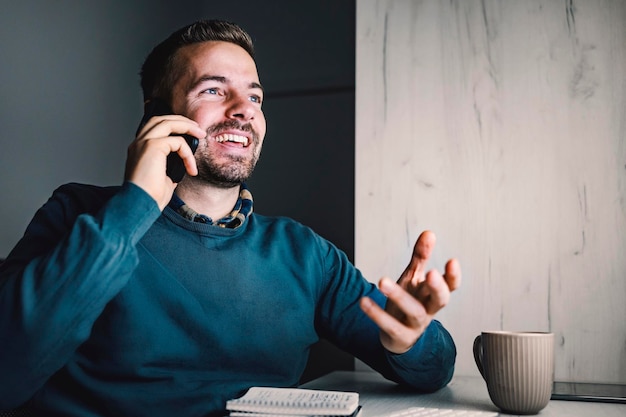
x: 232, y: 138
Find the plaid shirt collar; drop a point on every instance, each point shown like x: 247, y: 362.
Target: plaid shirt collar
x: 238, y: 215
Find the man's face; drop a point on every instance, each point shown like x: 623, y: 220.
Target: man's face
x: 220, y: 90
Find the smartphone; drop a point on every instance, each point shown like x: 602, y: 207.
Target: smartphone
x: 175, y: 166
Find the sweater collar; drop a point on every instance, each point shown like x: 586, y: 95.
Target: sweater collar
x: 238, y: 215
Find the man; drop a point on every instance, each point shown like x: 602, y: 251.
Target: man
x: 161, y: 299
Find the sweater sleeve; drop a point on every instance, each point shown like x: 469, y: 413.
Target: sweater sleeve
x: 427, y: 366
x: 57, y: 280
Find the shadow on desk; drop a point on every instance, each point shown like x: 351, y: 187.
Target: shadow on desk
x: 380, y: 397
x: 325, y: 358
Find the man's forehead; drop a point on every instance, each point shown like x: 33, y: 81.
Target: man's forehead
x: 215, y: 57
x: 214, y: 50
x: 216, y: 61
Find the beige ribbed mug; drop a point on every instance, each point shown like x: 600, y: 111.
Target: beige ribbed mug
x: 518, y: 368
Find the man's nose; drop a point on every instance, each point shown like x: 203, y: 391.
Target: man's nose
x: 241, y: 108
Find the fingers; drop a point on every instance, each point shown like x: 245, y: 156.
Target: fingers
x: 396, y: 335
x: 188, y: 158
x: 424, y: 245
x: 401, y: 303
x: 433, y: 293
x: 385, y: 321
x: 406, y: 316
x: 453, y: 274
x: 147, y: 155
x: 166, y: 128
x: 415, y: 271
x: 168, y: 125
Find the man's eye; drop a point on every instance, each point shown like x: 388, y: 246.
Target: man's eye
x: 256, y: 99
x: 213, y: 91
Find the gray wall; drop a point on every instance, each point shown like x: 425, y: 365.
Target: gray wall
x: 70, y: 102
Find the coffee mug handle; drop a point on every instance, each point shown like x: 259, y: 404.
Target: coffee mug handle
x: 478, y: 355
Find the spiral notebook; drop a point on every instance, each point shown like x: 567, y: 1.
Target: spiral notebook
x: 294, y: 402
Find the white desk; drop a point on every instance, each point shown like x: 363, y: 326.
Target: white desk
x: 379, y: 396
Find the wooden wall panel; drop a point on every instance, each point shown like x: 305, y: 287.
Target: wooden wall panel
x: 501, y: 126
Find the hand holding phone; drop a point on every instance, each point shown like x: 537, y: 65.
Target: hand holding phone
x: 175, y: 166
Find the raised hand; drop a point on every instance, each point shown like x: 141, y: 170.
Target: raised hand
x: 415, y: 299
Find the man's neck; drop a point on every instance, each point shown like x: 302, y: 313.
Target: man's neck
x: 204, y: 198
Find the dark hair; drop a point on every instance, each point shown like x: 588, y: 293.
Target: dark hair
x: 159, y: 71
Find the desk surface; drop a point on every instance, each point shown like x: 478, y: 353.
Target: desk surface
x: 379, y: 396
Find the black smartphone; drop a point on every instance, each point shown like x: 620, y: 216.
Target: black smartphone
x: 175, y: 166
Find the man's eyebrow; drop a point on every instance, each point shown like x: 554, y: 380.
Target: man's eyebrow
x: 221, y: 79
x: 256, y: 85
x: 206, y: 78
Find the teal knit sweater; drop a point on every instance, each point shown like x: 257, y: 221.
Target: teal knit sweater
x: 110, y: 308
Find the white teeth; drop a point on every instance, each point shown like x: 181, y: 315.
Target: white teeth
x: 232, y: 138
